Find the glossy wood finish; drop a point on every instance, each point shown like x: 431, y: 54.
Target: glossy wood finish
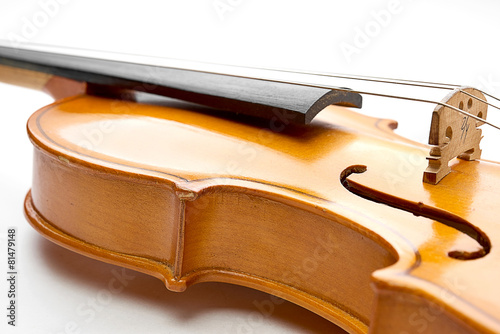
x: 24, y: 78
x: 201, y: 196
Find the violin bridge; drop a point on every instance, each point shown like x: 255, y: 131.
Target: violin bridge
x: 454, y: 135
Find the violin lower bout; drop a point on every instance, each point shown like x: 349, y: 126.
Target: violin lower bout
x: 222, y: 233
x: 152, y: 207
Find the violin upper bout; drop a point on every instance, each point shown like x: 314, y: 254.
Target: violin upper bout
x: 453, y: 134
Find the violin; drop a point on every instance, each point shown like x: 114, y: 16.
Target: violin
x: 276, y: 185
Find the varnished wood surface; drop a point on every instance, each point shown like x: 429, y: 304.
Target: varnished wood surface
x: 24, y: 78
x: 191, y: 197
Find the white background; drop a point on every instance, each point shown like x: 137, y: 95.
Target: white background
x: 445, y: 41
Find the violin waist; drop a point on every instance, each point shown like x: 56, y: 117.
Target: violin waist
x: 190, y: 197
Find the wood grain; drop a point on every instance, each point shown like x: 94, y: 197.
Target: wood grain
x: 191, y: 197
x: 453, y: 134
x: 23, y: 78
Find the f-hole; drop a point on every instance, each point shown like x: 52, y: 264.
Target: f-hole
x: 420, y: 209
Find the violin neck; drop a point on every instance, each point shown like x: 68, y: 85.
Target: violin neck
x: 24, y: 78
x: 255, y: 97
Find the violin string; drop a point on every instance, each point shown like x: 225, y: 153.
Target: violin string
x: 405, y: 98
x: 487, y: 94
x: 415, y: 83
x: 479, y: 99
x: 307, y: 84
x: 426, y: 84
x: 408, y: 98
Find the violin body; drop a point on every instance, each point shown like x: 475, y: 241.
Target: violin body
x: 190, y: 195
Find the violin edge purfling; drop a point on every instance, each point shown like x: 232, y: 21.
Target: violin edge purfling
x: 192, y: 226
